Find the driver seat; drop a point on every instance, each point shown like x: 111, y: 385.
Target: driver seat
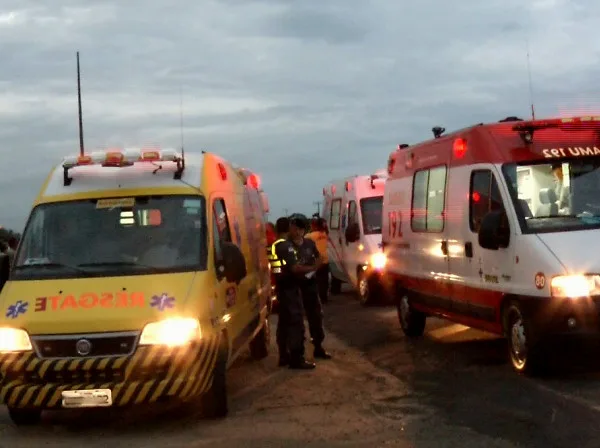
x: 548, y: 205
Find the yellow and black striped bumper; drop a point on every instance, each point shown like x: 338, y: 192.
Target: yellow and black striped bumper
x: 151, y: 374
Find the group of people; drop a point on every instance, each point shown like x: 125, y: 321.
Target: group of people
x: 300, y: 269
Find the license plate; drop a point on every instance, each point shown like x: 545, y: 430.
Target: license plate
x: 89, y: 398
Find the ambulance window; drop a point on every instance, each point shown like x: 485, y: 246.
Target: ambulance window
x: 352, y: 213
x: 221, y: 230
x: 484, y: 197
x: 428, y: 200
x: 334, y: 218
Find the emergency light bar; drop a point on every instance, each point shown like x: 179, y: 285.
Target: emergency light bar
x: 120, y: 159
x: 527, y: 128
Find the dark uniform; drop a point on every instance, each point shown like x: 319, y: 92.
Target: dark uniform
x: 308, y: 254
x: 290, y: 325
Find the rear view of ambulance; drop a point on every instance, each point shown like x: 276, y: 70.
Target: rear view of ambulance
x: 352, y: 209
x: 497, y: 227
x: 141, y: 275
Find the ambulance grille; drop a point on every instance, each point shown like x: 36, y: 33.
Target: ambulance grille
x: 70, y: 346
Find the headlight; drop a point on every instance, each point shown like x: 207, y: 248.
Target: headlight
x: 574, y: 286
x: 378, y: 260
x: 14, y: 340
x: 172, y: 332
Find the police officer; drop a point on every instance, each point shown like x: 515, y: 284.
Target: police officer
x: 290, y: 325
x: 308, y: 255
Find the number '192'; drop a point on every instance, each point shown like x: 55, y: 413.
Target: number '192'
x: 395, y: 227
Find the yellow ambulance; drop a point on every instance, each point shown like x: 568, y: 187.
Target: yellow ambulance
x: 141, y: 275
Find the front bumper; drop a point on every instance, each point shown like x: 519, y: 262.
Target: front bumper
x: 150, y: 375
x: 564, y: 316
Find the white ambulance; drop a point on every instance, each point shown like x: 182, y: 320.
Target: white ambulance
x: 494, y: 227
x: 352, y: 208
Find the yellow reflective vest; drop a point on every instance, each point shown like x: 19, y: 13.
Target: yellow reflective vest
x: 274, y: 261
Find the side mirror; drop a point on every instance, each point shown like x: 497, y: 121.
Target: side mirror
x: 494, y: 232
x: 352, y: 233
x: 234, y: 263
x: 4, y: 270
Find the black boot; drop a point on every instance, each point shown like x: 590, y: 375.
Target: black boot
x: 321, y: 353
x: 302, y: 365
x: 284, y: 358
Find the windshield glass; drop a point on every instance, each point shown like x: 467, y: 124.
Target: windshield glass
x: 370, y: 209
x: 556, y: 196
x: 107, y: 237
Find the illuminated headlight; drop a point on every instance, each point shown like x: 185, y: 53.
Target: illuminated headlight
x: 171, y: 332
x: 378, y: 260
x: 14, y: 340
x: 575, y: 286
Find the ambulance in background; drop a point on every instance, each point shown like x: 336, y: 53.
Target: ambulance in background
x: 141, y: 276
x: 496, y: 227
x: 352, y: 209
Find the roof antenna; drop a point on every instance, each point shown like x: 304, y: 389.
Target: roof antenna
x: 81, y: 147
x: 180, y: 163
x: 181, y: 120
x: 530, y: 81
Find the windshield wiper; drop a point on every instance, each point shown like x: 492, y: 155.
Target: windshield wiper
x: 117, y: 264
x: 50, y: 265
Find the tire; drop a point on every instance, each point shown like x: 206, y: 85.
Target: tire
x: 260, y: 344
x: 412, y: 321
x: 336, y: 285
x: 367, y: 289
x: 526, y: 355
x: 214, y: 400
x: 25, y: 417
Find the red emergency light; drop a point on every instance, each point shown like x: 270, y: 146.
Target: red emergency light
x: 222, y: 172
x: 254, y: 181
x: 459, y: 148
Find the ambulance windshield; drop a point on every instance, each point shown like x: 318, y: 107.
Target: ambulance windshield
x: 556, y: 196
x: 109, y: 237
x: 371, y: 209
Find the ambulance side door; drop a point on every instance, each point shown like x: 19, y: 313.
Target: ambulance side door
x: 336, y: 260
x: 350, y: 250
x: 490, y: 270
x: 231, y: 311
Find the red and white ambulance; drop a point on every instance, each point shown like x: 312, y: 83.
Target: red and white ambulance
x: 352, y: 208
x: 496, y: 227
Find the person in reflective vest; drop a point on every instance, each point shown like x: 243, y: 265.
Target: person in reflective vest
x: 290, y: 324
x: 308, y: 254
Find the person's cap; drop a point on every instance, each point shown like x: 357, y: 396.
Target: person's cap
x: 298, y: 220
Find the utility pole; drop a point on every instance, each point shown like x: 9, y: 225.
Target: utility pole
x: 286, y: 212
x: 318, y: 204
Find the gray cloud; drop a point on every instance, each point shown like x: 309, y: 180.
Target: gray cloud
x: 303, y: 92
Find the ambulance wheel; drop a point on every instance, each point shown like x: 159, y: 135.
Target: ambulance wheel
x: 214, y: 400
x: 25, y: 417
x: 259, y: 345
x: 411, y: 320
x: 526, y: 356
x: 336, y: 285
x: 366, y: 289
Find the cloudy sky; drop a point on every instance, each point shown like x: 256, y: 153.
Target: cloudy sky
x: 301, y: 91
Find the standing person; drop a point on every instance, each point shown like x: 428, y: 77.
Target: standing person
x: 319, y: 235
x: 308, y: 255
x: 560, y: 189
x: 271, y: 233
x: 290, y: 325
